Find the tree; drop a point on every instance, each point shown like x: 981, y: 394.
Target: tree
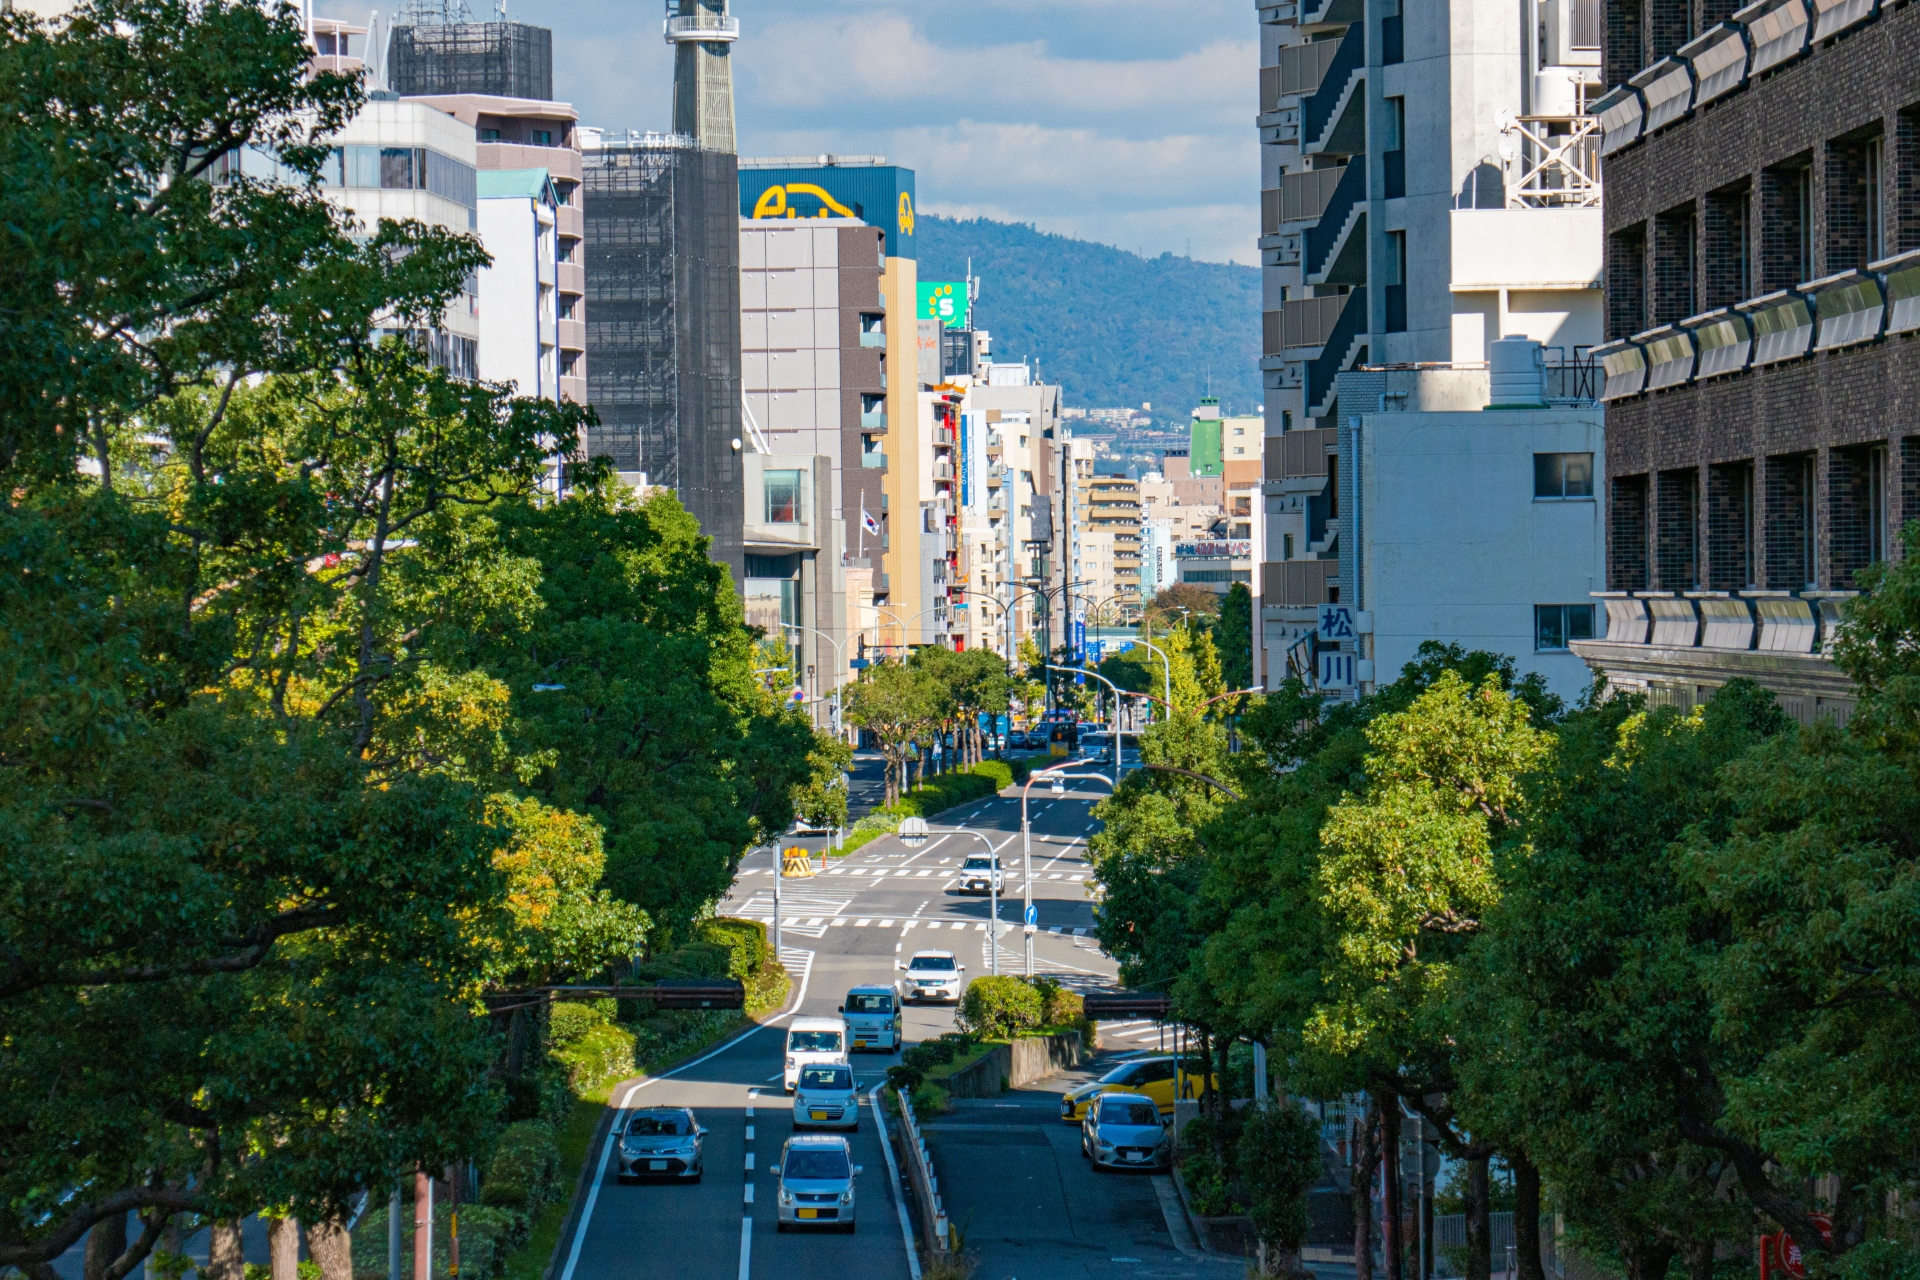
x: 1187, y: 596
x: 1279, y: 1159
x: 894, y: 702
x: 1233, y: 635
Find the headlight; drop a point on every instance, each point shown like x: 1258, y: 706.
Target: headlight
x: 1102, y: 1144
x: 790, y: 1061
x: 786, y: 1196
x: 846, y: 1197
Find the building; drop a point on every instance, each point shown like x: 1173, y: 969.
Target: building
x: 514, y: 135
x: 1761, y: 229
x: 796, y: 576
x: 519, y: 315
x: 662, y: 247
x: 813, y: 339
x: 1506, y: 572
x: 908, y: 527
x: 435, y: 51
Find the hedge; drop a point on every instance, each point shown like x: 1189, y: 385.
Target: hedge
x: 1001, y: 1008
x: 937, y: 794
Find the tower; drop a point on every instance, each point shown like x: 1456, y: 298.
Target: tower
x: 702, y: 33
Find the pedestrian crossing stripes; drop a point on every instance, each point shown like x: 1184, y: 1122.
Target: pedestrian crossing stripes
x: 820, y: 924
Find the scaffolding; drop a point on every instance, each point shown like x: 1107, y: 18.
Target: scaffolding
x: 663, y: 323
x: 505, y: 59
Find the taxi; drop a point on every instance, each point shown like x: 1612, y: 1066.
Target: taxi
x: 1164, y: 1080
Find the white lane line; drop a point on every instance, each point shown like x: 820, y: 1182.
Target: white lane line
x: 893, y: 1177
x: 749, y: 1162
x: 749, y: 1193
x: 1054, y: 876
x: 838, y: 921
x: 861, y: 924
x: 749, y: 1127
x: 815, y: 920
x: 606, y: 1148
x: 981, y: 927
x: 886, y: 924
x: 746, y: 1247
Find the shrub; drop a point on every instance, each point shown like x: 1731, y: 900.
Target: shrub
x: 524, y: 1174
x: 903, y: 1076
x: 1000, y: 1008
x: 568, y: 1023
x: 1206, y: 1184
x: 1278, y: 1160
x: 605, y: 1052
x: 931, y: 1100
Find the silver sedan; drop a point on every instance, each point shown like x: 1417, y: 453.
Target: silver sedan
x: 661, y: 1142
x: 1124, y: 1131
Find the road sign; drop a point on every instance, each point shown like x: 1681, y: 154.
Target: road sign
x: 1336, y: 622
x: 1033, y: 914
x: 796, y: 860
x: 1336, y: 670
x: 1105, y: 1005
x: 1788, y: 1253
x: 913, y: 832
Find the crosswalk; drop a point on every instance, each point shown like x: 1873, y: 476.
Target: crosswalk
x: 818, y: 925
x: 902, y: 873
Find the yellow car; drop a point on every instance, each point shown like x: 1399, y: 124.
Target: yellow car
x: 1162, y: 1079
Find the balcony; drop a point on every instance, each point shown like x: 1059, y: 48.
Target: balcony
x: 873, y: 461
x: 876, y: 421
x: 874, y: 340
x: 1297, y: 583
x: 1334, y: 249
x: 1333, y: 116
x: 701, y: 28
x: 1304, y: 196
x: 1304, y: 322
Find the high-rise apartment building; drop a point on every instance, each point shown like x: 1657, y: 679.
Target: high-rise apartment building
x: 1763, y: 262
x: 519, y: 316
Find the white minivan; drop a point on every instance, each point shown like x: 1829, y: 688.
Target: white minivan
x: 811, y: 1040
x: 873, y: 1018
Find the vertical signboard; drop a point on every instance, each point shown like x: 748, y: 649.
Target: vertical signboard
x: 973, y: 441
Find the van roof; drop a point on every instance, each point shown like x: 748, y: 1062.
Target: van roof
x: 876, y: 987
x: 835, y: 1023
x: 819, y: 1140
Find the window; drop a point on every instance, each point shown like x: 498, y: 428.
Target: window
x: 542, y: 137
x: 1556, y: 624
x: 783, y: 496
x: 1562, y: 475
x: 489, y: 135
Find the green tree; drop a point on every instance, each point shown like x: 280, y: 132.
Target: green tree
x: 895, y: 703
x: 1233, y: 635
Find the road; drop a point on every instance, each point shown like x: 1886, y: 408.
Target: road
x: 845, y: 926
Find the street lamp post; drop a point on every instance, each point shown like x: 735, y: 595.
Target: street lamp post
x: 1166, y: 670
x: 1119, y: 768
x: 1026, y: 847
x: 914, y: 832
x: 840, y: 673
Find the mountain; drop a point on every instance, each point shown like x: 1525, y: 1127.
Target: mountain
x: 1114, y: 329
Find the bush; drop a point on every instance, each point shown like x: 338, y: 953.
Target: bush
x: 903, y: 1076
x: 567, y: 1024
x: 745, y: 941
x: 1206, y: 1185
x: 605, y: 1052
x: 1278, y: 1160
x: 524, y: 1174
x: 931, y: 1100
x: 1001, y: 1008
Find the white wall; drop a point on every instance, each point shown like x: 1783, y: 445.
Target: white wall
x: 517, y: 300
x: 1455, y: 546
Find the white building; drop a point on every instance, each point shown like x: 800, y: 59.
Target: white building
x: 519, y: 317
x: 1460, y: 524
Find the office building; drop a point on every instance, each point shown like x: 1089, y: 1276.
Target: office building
x: 1457, y: 522
x: 905, y: 534
x: 519, y: 320
x: 435, y: 51
x: 1762, y: 225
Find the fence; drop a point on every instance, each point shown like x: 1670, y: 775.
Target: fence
x: 921, y: 1177
x: 1450, y: 1245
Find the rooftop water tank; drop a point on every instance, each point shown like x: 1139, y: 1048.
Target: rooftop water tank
x: 1516, y: 374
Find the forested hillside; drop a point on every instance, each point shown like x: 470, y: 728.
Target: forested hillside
x: 1113, y: 328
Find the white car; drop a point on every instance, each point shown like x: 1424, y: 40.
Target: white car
x: 982, y: 874
x: 811, y: 1040
x: 873, y: 1018
x: 932, y: 975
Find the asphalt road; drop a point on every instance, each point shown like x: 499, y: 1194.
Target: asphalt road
x: 846, y: 926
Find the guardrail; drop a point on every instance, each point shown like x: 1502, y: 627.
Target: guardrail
x: 934, y: 1227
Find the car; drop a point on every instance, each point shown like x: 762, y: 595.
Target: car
x: 932, y: 975
x: 1125, y: 1131
x: 811, y: 1040
x: 873, y: 1018
x: 1160, y: 1078
x: 661, y: 1142
x: 816, y: 1183
x: 982, y: 874
x: 825, y: 1097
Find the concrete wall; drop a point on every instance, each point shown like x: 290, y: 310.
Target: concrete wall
x: 516, y: 307
x: 1454, y: 546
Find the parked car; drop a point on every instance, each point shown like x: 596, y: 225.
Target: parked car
x: 661, y: 1142
x: 932, y: 975
x: 816, y: 1183
x: 1162, y: 1079
x: 982, y: 874
x: 1124, y: 1131
x: 825, y: 1098
x: 811, y: 1040
x: 873, y: 1018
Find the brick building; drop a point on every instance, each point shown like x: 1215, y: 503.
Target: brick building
x: 1762, y: 378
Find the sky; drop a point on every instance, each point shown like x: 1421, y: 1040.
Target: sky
x: 1129, y: 122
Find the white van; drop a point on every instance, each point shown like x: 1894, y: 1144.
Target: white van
x: 812, y: 1040
x: 873, y: 1018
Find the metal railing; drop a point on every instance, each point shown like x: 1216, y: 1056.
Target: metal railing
x: 1324, y: 236
x: 1555, y: 161
x: 1307, y: 322
x: 1322, y: 369
x: 1303, y: 196
x: 1316, y: 110
x: 925, y: 1182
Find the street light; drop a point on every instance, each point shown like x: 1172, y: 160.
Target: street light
x: 914, y: 833
x: 1119, y: 769
x: 840, y: 672
x: 1057, y: 780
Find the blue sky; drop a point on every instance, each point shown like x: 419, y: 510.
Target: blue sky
x: 1124, y: 121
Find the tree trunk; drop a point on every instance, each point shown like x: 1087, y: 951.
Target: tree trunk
x: 1646, y: 1259
x: 1479, y: 1221
x: 332, y: 1250
x: 224, y: 1259
x: 105, y: 1243
x: 1366, y: 1162
x: 1526, y: 1221
x: 1392, y: 1227
x: 283, y: 1248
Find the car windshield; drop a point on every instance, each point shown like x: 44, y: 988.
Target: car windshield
x: 656, y: 1126
x: 870, y: 1004
x: 1122, y: 1074
x: 817, y: 1162
x: 941, y: 964
x: 1139, y: 1114
x: 978, y: 864
x: 813, y: 1042
x: 826, y: 1078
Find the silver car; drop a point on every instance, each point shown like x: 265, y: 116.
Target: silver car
x: 824, y: 1098
x: 816, y: 1182
x: 1123, y: 1131
x: 661, y: 1142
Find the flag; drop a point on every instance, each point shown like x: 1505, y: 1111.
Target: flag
x: 867, y: 522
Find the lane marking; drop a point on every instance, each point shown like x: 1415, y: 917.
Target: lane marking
x: 746, y: 1247
x: 893, y: 1177
x: 749, y: 1193
x: 749, y: 1127
x: 749, y: 1162
x: 861, y: 924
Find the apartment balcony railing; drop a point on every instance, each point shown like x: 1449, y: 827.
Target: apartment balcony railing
x: 873, y: 461
x: 874, y: 340
x: 1337, y: 87
x: 1322, y: 243
x: 1307, y: 322
x: 1303, y: 196
x: 876, y: 421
